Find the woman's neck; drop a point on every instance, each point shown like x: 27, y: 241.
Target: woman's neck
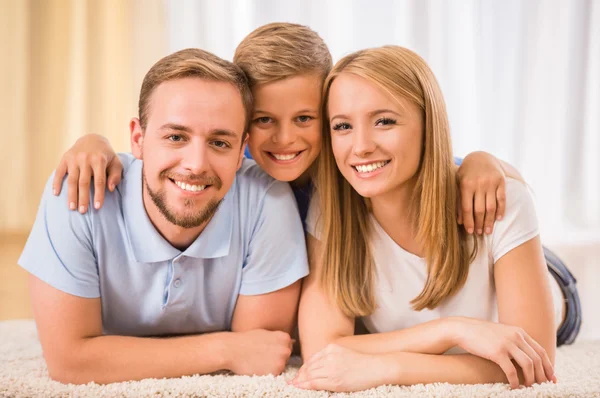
x: 395, y: 213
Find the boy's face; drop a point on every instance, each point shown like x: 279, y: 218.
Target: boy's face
x: 285, y: 133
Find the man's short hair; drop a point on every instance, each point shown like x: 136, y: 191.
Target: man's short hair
x: 193, y: 62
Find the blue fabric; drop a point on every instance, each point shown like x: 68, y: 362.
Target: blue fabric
x: 253, y: 245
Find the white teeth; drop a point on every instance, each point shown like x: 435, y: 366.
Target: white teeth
x: 290, y: 156
x: 367, y: 168
x: 188, y: 187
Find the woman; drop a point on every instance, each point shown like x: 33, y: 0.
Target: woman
x: 385, y: 247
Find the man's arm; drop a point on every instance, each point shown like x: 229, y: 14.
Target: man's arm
x: 275, y: 264
x: 70, y: 330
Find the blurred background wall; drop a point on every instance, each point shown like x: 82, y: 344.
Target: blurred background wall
x: 521, y: 80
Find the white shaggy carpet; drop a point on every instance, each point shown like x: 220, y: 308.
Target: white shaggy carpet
x: 23, y: 374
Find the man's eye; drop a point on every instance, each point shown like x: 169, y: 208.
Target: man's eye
x: 175, y: 138
x: 341, y: 126
x: 304, y: 118
x: 263, y: 120
x: 221, y: 144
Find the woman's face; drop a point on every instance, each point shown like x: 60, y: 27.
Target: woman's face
x: 285, y: 135
x: 376, y: 138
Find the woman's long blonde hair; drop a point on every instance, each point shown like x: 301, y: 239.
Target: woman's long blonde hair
x: 347, y: 272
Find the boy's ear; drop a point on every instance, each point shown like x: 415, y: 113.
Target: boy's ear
x: 136, y: 137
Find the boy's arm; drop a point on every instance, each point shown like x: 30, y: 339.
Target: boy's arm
x: 91, y: 156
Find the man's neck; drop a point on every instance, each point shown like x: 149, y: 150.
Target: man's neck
x: 178, y: 237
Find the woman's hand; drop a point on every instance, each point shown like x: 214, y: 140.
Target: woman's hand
x: 482, y: 188
x: 503, y: 344
x: 90, y: 156
x: 340, y: 369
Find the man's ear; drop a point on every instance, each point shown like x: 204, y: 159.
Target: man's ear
x: 241, y: 157
x: 136, y: 137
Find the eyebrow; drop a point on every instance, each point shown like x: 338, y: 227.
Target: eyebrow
x: 307, y: 110
x: 185, y: 129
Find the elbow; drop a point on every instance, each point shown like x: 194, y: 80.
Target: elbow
x: 69, y: 370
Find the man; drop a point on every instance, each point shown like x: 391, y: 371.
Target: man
x: 189, y: 246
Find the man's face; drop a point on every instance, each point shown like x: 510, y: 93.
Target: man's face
x: 191, y: 148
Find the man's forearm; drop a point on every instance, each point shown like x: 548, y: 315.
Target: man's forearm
x: 433, y: 337
x: 108, y: 359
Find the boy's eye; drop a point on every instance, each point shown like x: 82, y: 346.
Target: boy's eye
x: 341, y: 126
x: 304, y: 118
x: 385, y: 121
x: 263, y: 120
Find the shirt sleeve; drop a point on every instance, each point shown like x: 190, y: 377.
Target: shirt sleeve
x: 126, y: 159
x: 520, y: 223
x: 59, y: 250
x: 312, y: 218
x: 277, y: 249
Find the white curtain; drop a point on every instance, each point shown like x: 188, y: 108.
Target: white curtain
x: 521, y: 78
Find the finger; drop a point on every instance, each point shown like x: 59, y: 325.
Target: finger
x: 509, y: 370
x: 490, y: 212
x: 479, y: 210
x: 322, y: 384
x: 308, y: 373
x: 59, y: 176
x: 548, y: 368
x: 114, y: 171
x: 538, y: 368
x: 99, y: 170
x: 525, y: 363
x: 501, y: 199
x: 85, y: 178
x: 466, y: 200
x: 72, y: 189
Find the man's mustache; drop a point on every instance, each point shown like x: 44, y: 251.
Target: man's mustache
x: 193, y: 179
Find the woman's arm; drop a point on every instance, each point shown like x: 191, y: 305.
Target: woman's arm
x: 320, y: 321
x: 525, y: 307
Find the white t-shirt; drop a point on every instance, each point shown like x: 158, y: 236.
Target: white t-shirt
x: 401, y: 276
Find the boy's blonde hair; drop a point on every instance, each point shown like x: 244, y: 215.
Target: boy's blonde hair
x: 277, y: 51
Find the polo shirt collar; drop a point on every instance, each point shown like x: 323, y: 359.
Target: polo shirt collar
x: 148, y: 245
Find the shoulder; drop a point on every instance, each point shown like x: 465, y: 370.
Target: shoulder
x: 254, y: 185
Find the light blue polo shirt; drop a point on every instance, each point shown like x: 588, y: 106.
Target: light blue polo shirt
x: 254, y: 244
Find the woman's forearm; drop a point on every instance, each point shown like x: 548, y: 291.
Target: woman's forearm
x: 433, y: 337
x: 410, y: 368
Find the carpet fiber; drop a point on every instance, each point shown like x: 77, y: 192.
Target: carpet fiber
x: 23, y: 374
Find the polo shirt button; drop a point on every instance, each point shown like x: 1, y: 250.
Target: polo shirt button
x: 177, y: 283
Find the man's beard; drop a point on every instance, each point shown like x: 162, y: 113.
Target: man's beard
x: 192, y: 220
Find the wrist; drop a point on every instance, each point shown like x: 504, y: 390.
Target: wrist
x: 453, y: 331
x: 224, y: 349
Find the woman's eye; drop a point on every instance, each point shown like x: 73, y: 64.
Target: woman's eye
x: 304, y: 118
x: 341, y: 126
x: 263, y: 120
x: 385, y: 121
x: 175, y: 138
